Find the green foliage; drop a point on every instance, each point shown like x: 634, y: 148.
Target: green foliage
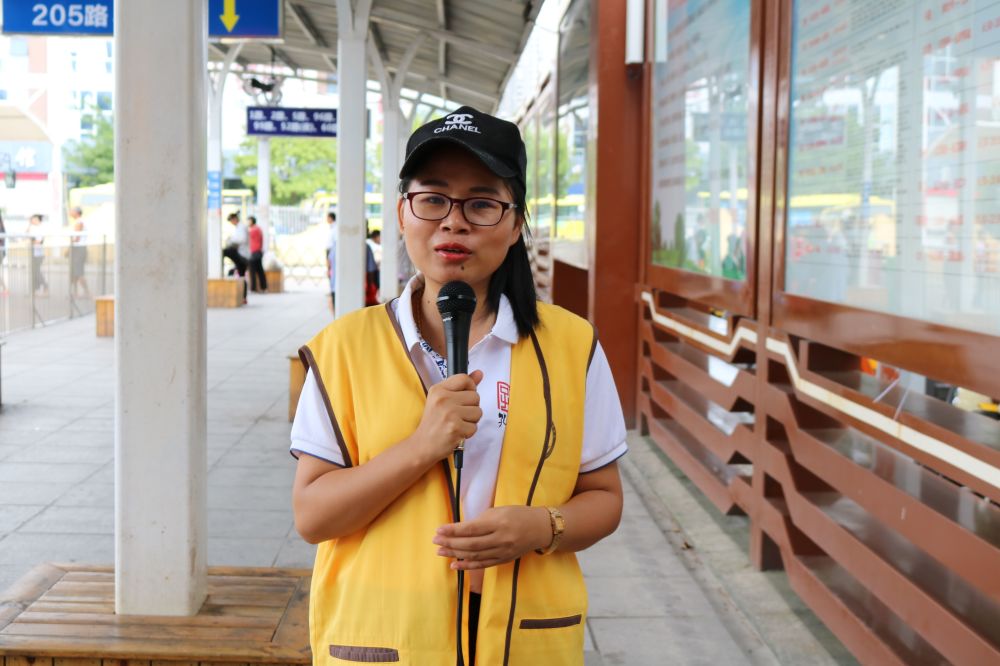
x: 672, y: 255
x: 92, y: 161
x: 373, y: 163
x: 299, y: 167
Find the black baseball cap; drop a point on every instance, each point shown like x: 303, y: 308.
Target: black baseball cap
x: 497, y: 143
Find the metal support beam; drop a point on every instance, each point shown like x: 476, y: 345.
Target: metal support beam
x: 221, y: 50
x: 305, y: 22
x: 408, y: 22
x: 393, y: 117
x: 462, y: 86
x: 264, y: 188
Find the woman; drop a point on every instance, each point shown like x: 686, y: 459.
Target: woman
x: 539, y: 415
x: 41, y: 285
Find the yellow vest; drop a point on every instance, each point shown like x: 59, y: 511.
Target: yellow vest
x: 383, y: 594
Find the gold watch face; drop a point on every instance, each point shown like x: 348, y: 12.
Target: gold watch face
x: 558, y: 522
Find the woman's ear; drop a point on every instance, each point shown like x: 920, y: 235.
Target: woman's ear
x: 399, y: 214
x: 517, y: 231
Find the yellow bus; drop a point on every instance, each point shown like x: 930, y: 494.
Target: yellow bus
x: 321, y: 203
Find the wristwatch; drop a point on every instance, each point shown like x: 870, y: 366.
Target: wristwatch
x: 558, y: 527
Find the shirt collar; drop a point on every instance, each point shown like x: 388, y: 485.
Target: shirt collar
x: 504, y: 328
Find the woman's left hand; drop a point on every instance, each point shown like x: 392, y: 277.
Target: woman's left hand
x: 499, y: 534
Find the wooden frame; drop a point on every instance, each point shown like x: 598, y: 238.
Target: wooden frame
x: 573, y: 8
x: 956, y: 356
x: 738, y: 297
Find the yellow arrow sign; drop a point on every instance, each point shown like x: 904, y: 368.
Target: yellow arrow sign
x: 229, y: 16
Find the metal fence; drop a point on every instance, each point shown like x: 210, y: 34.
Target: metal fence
x: 299, y: 243
x: 49, y: 277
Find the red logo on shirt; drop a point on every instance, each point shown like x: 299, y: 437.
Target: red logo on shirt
x: 503, y: 396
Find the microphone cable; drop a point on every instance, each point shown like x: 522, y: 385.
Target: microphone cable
x: 456, y: 302
x: 456, y: 511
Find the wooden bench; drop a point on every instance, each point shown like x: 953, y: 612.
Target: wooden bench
x: 296, y: 379
x: 225, y: 292
x: 275, y: 281
x: 64, y: 614
x: 104, y: 315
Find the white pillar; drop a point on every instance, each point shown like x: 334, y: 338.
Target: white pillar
x: 160, y: 319
x: 216, y: 89
x: 264, y: 188
x: 392, y: 122
x: 214, y: 247
x: 352, y: 73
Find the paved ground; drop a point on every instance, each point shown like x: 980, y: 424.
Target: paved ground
x: 652, y: 600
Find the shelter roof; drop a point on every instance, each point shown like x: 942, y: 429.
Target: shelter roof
x: 16, y: 125
x: 468, y: 52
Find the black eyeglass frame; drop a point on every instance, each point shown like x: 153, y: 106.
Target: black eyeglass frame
x: 506, y: 205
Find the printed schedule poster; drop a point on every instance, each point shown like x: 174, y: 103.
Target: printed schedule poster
x: 894, y: 158
x: 700, y: 159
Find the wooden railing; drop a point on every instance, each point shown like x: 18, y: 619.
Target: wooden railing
x: 881, y: 504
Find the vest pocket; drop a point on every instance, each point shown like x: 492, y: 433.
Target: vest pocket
x: 364, y: 654
x: 551, y: 623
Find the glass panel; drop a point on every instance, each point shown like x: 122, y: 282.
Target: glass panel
x: 18, y: 46
x: 529, y: 130
x: 572, y: 146
x: 700, y: 159
x: 545, y: 208
x: 894, y: 158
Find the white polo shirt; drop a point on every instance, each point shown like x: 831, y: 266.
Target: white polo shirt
x: 603, y: 421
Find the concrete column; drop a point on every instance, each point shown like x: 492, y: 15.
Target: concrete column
x: 392, y: 123
x: 160, y: 322
x: 352, y: 71
x: 264, y: 188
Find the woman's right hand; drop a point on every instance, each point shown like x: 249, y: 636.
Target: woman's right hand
x: 451, y: 415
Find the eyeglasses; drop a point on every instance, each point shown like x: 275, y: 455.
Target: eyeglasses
x: 479, y: 211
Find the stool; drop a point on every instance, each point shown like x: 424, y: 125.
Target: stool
x: 104, y: 315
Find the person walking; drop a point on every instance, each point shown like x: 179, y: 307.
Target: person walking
x: 77, y: 255
x: 3, y: 254
x: 256, y: 263
x: 41, y: 285
x: 378, y: 420
x: 238, y: 249
x: 331, y: 259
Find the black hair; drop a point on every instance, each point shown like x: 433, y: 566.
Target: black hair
x: 332, y: 215
x: 513, y: 278
x: 232, y: 215
x: 252, y: 220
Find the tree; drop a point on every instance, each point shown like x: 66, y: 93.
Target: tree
x: 299, y: 167
x: 92, y: 161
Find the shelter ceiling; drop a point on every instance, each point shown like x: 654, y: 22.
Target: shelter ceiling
x: 469, y: 50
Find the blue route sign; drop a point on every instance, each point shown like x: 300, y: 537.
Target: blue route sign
x: 281, y: 121
x: 244, y: 19
x: 214, y: 189
x: 235, y: 19
x: 59, y: 17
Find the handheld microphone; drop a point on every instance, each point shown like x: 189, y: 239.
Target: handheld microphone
x: 456, y: 302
